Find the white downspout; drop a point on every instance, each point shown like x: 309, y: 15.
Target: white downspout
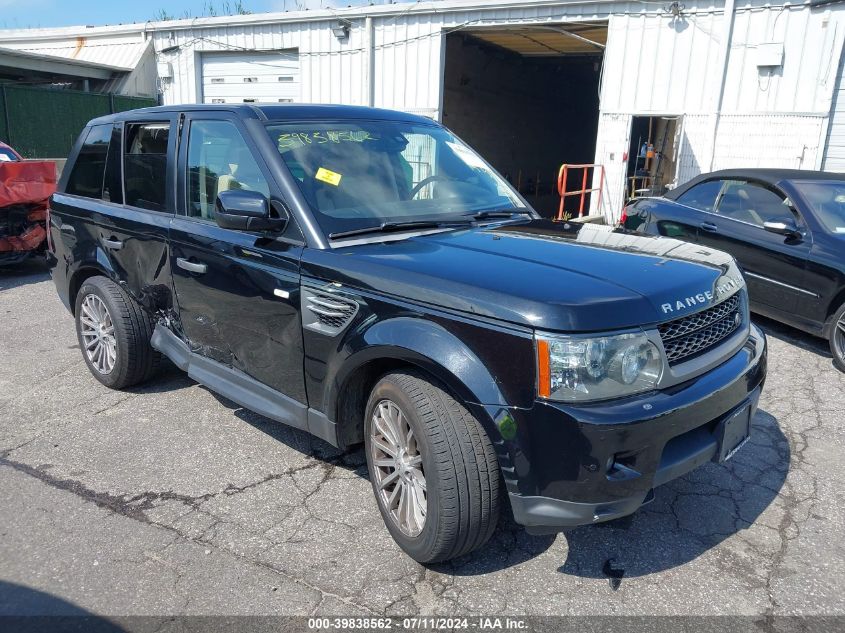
x: 724, y: 59
x: 370, y: 61
x: 835, y: 61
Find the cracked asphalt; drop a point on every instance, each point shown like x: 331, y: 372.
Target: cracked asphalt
x: 167, y: 499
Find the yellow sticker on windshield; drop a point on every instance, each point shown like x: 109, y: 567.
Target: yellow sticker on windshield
x: 329, y: 176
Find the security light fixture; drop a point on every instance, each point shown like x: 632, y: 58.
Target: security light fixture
x: 675, y: 9
x: 341, y: 29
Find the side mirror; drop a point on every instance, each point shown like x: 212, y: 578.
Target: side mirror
x: 244, y: 210
x: 785, y: 227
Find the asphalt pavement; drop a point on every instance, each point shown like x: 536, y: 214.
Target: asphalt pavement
x: 166, y: 499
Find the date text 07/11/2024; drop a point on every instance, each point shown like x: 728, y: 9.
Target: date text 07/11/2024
x: 419, y: 623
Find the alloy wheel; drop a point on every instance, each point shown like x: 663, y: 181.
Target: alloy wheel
x: 839, y: 338
x: 97, y: 330
x: 398, y: 468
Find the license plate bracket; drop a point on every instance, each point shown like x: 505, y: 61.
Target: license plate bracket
x: 732, y: 433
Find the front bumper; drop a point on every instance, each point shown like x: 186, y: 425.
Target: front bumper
x: 575, y: 465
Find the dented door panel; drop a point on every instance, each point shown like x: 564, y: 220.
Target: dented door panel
x: 243, y: 309
x: 127, y: 244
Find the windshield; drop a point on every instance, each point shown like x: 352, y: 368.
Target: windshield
x: 827, y: 199
x: 359, y: 174
x: 7, y: 155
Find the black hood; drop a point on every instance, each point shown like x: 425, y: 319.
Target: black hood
x: 547, y: 275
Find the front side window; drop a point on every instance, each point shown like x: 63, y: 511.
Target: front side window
x: 827, y: 201
x: 145, y: 165
x: 7, y: 156
x: 218, y: 160
x: 702, y: 196
x: 357, y: 174
x: 86, y: 178
x: 752, y: 203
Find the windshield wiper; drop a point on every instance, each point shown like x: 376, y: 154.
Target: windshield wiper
x: 388, y: 227
x: 484, y: 215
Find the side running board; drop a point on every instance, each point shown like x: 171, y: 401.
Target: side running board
x: 237, y: 386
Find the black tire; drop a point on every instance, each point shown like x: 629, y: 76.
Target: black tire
x: 836, y: 338
x: 459, y: 464
x: 135, y: 360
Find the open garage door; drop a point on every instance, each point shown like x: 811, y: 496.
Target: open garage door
x: 527, y: 98
x: 235, y: 77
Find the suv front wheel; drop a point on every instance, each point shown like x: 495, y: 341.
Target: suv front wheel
x: 114, y: 334
x: 433, y: 468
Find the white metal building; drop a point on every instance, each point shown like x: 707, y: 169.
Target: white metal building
x: 536, y: 83
x: 119, y: 59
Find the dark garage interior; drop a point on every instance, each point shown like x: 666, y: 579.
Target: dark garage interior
x: 527, y: 99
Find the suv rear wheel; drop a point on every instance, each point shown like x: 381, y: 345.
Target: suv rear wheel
x: 433, y: 468
x: 114, y: 334
x: 837, y: 338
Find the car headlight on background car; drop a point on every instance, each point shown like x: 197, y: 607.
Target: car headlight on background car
x: 578, y: 369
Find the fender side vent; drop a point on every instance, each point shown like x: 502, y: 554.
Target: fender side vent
x: 326, y: 313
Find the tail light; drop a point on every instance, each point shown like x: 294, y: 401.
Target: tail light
x: 624, y: 217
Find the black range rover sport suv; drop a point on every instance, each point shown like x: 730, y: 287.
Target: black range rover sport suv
x: 365, y: 276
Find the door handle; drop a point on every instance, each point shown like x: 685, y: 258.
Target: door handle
x: 709, y: 227
x: 113, y: 244
x: 181, y: 262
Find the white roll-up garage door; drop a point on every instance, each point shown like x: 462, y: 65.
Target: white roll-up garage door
x: 247, y: 77
x: 834, y: 151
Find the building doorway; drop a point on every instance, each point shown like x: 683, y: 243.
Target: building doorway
x: 527, y: 98
x: 652, y: 155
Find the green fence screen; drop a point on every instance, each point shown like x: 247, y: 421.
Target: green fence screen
x: 44, y: 123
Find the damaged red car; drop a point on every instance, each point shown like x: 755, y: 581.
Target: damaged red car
x: 25, y: 188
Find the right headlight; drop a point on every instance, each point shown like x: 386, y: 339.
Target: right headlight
x: 583, y: 368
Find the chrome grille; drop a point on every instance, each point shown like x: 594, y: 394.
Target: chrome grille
x: 699, y: 332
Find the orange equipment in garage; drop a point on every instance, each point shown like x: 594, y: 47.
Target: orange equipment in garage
x: 562, y: 176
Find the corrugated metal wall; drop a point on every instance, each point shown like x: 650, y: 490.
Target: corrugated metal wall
x: 768, y: 140
x: 408, y: 75
x: 658, y: 65
x: 834, y: 157
x: 407, y: 50
x: 654, y: 64
x: 332, y: 71
x: 611, y: 144
x: 126, y: 48
x: 122, y: 50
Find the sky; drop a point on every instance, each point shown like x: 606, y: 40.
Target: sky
x: 20, y: 14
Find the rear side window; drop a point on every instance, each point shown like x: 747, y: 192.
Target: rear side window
x: 751, y: 203
x: 145, y: 165
x: 702, y: 196
x: 86, y: 178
